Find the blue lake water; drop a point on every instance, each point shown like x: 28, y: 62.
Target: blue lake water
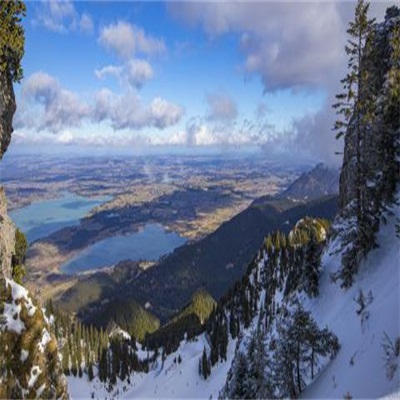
x: 40, y: 219
x: 150, y: 243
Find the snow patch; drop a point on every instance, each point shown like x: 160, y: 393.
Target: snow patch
x: 359, y: 368
x: 13, y: 320
x: 24, y: 355
x: 35, y: 372
x: 44, y: 341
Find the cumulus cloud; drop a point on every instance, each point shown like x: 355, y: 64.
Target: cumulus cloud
x: 202, y: 132
x: 288, y: 45
x: 125, y: 40
x: 221, y: 107
x: 62, y: 17
x: 127, y: 111
x: 79, y: 139
x: 135, y: 72
x: 46, y: 105
x: 163, y: 114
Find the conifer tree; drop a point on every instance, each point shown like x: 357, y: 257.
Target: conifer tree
x: 65, y: 359
x: 205, y: 367
x: 311, y: 269
x: 390, y: 143
x: 257, y: 382
x: 355, y: 109
x: 239, y: 387
x: 90, y: 371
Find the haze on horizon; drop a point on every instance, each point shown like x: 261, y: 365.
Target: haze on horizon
x: 195, y: 77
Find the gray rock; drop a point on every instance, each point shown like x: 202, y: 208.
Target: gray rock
x: 7, y: 110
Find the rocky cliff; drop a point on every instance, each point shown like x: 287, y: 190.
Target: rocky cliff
x: 7, y: 110
x: 7, y: 238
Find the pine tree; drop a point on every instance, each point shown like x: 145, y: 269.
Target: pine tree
x: 355, y: 108
x: 65, y: 359
x: 12, y: 38
x: 239, y: 385
x: 103, y: 365
x: 258, y: 385
x: 390, y: 143
x: 90, y: 371
x: 205, y: 367
x: 300, y: 345
x: 232, y: 325
x: 311, y: 269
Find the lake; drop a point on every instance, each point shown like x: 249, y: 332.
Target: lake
x: 40, y: 219
x: 150, y: 243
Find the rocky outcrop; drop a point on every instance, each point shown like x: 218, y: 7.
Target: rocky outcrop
x: 29, y: 362
x: 7, y: 110
x: 7, y: 238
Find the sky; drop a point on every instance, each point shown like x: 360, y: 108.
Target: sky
x: 134, y: 76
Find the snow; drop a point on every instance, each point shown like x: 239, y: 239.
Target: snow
x: 40, y: 391
x: 117, y: 331
x: 168, y: 380
x: 13, y: 321
x: 12, y: 310
x: 35, y: 372
x: 358, y: 368
x: 45, y: 340
x: 143, y: 354
x: 24, y: 355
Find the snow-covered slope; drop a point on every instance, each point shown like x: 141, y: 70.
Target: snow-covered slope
x: 359, y: 368
x: 171, y: 379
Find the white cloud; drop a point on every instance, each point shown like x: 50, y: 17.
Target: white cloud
x: 134, y: 72
x: 62, y: 17
x: 138, y: 72
x: 221, y: 107
x: 163, y: 114
x: 289, y: 45
x: 126, y: 111
x: 112, y: 70
x: 86, y: 23
x: 46, y: 105
x: 126, y: 40
x: 118, y: 38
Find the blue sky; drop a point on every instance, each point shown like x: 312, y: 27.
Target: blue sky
x: 136, y: 75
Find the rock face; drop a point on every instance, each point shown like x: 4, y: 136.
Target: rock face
x: 7, y: 110
x: 377, y: 64
x: 7, y: 238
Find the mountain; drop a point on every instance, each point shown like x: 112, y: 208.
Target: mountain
x: 214, y: 263
x: 320, y: 181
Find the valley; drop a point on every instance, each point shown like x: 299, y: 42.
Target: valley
x: 98, y: 198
